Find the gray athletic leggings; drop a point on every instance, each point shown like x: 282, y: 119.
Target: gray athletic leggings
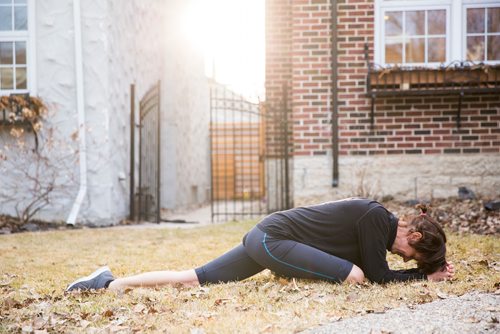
x: 284, y: 257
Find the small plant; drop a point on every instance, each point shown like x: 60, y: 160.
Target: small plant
x: 20, y: 111
x: 361, y: 186
x: 22, y: 108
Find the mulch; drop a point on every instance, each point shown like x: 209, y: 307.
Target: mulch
x: 458, y: 215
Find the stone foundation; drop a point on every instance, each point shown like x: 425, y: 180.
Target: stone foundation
x: 402, y: 177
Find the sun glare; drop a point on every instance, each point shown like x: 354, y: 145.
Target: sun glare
x: 230, y: 36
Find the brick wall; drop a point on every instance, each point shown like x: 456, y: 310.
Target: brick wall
x: 311, y: 77
x: 298, y: 52
x: 403, y: 125
x: 278, y: 71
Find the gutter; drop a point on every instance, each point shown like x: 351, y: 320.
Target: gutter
x: 334, y: 104
x: 81, y: 114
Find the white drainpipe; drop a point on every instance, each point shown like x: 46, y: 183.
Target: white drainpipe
x: 81, y: 114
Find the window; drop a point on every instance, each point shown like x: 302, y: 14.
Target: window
x: 415, y: 36
x: 482, y: 33
x: 436, y: 32
x: 15, y: 46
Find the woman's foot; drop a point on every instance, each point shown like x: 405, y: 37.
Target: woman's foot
x: 99, y: 279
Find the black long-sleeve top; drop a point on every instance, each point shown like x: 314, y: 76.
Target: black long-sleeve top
x: 358, y: 230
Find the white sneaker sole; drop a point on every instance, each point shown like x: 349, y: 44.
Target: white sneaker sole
x: 89, y: 277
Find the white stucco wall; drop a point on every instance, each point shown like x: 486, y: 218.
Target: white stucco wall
x: 124, y: 42
x: 185, y: 136
x: 121, y: 45
x: 437, y: 176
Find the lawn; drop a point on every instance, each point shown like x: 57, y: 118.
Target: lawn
x: 36, y: 267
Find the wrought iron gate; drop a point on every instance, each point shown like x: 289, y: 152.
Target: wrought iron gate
x: 249, y: 145
x: 148, y: 194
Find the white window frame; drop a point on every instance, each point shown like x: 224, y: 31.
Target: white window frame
x: 29, y: 38
x: 475, y: 4
x: 455, y: 26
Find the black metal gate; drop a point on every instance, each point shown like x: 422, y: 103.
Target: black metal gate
x: 249, y: 145
x: 148, y: 192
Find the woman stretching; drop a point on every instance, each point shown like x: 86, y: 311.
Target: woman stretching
x: 338, y: 241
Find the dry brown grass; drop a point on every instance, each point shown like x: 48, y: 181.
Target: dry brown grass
x: 35, y: 268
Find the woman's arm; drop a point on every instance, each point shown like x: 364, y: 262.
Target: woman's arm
x: 373, y: 238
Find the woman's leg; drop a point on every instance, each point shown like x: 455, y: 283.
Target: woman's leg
x: 293, y: 259
x: 155, y: 279
x: 234, y: 265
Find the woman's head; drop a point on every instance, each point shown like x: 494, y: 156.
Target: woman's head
x: 430, y: 245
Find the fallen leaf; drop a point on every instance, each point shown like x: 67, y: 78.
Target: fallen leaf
x: 139, y: 308
x: 444, y: 295
x: 242, y: 308
x: 27, y: 329
x: 84, y: 324
x: 484, y: 263
x: 221, y: 301
x: 6, y: 282
x: 495, y: 266
x: 353, y: 296
x: 108, y: 314
x: 283, y: 281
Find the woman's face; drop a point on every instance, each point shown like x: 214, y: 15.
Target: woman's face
x: 406, y: 251
x: 402, y: 245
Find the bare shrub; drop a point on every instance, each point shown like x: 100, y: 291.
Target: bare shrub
x: 36, y: 171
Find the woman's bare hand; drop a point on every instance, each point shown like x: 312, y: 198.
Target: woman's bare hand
x: 444, y: 274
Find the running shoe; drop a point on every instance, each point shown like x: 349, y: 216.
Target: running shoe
x: 96, y: 280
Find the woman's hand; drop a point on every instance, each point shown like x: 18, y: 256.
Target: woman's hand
x: 444, y: 274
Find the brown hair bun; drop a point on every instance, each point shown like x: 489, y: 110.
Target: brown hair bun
x: 422, y: 207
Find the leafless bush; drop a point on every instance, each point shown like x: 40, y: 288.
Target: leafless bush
x: 362, y: 186
x: 34, y: 175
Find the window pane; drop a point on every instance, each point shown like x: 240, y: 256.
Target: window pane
x: 5, y: 2
x: 5, y: 18
x: 436, y: 22
x: 437, y: 50
x: 493, y: 48
x: 494, y: 19
x: 415, y: 23
x: 21, y: 18
x: 393, y: 23
x: 393, y: 52
x: 21, y: 78
x: 6, y: 78
x: 475, y: 48
x: 6, y: 50
x: 415, y: 50
x: 475, y: 20
x: 20, y: 1
x: 20, y: 53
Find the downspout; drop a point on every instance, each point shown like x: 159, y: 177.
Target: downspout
x: 81, y: 114
x: 334, y: 104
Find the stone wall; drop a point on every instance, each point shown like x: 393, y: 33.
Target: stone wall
x: 415, y: 177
